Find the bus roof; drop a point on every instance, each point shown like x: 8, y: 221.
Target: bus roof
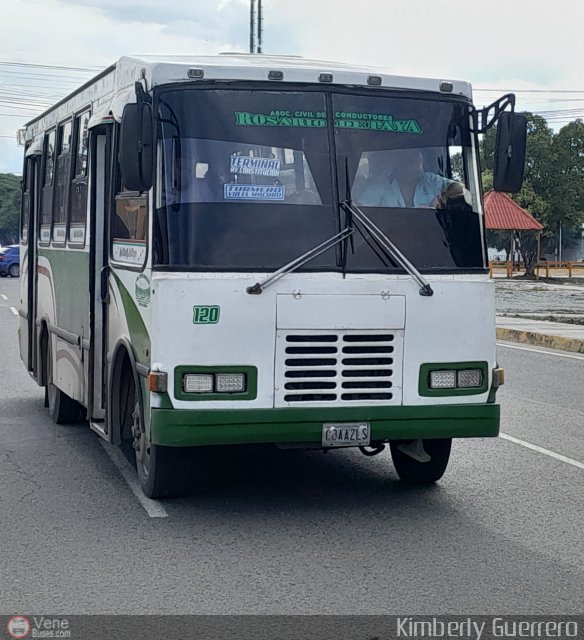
x: 241, y: 66
x: 110, y: 90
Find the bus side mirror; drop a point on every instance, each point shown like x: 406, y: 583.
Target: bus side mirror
x: 510, y: 152
x: 136, y: 147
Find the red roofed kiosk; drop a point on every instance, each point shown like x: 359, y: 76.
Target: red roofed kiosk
x: 503, y: 214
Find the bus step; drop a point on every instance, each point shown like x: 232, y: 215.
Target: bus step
x: 99, y: 427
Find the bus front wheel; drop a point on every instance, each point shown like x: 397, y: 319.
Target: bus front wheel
x: 159, y: 469
x: 422, y: 470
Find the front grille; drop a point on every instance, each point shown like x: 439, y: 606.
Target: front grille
x: 338, y: 367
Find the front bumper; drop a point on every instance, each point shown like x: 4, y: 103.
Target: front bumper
x: 192, y: 427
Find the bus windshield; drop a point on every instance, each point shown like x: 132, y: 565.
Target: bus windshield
x: 250, y: 180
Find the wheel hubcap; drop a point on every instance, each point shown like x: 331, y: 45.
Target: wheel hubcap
x: 140, y: 443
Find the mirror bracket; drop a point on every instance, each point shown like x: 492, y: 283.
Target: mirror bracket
x: 486, y: 118
x: 141, y: 95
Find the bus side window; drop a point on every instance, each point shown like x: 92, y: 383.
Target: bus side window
x: 62, y: 178
x: 78, y: 192
x: 129, y: 229
x: 47, y: 188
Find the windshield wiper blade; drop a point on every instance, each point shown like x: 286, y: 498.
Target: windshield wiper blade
x: 390, y: 248
x: 295, y: 264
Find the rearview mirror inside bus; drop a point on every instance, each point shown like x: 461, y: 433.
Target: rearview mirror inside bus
x: 510, y: 152
x: 136, y: 148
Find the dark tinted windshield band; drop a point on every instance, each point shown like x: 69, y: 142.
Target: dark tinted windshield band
x: 251, y: 179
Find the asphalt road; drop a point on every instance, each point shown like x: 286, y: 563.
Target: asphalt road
x: 295, y: 532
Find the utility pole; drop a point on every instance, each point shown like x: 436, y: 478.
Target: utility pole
x: 252, y: 43
x: 255, y: 27
x: 260, y: 26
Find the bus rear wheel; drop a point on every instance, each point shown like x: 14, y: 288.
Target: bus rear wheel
x: 415, y: 471
x: 159, y: 468
x: 62, y: 408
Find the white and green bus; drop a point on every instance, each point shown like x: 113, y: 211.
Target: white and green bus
x: 226, y: 250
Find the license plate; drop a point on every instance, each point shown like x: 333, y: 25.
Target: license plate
x: 346, y: 434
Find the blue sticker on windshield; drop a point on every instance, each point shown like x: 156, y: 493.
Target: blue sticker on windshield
x: 255, y: 166
x: 254, y: 192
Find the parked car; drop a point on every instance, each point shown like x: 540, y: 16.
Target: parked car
x: 10, y: 261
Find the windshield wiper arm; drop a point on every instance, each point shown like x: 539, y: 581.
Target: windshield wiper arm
x: 390, y: 248
x: 295, y: 264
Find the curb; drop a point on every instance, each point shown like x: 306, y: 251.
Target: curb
x: 546, y: 340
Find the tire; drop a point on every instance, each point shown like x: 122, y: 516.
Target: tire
x: 161, y: 470
x: 14, y: 270
x: 414, y: 472
x: 3, y: 275
x: 62, y: 408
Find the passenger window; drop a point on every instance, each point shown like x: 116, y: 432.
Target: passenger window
x: 49, y: 158
x: 47, y: 188
x: 78, y: 192
x: 26, y: 201
x: 129, y: 229
x: 62, y: 178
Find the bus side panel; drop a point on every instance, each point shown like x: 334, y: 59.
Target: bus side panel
x: 63, y: 301
x: 129, y: 318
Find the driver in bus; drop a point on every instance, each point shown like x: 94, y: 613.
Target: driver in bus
x: 399, y: 180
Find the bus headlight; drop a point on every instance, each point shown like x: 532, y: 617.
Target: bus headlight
x: 468, y: 378
x: 442, y: 379
x: 453, y: 378
x: 198, y: 383
x: 214, y: 382
x: 229, y: 382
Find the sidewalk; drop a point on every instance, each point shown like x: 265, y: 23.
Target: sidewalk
x: 553, y: 335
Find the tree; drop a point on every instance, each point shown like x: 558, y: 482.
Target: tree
x: 9, y: 208
x: 567, y: 206
x: 553, y: 190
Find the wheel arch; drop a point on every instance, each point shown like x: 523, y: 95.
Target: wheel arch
x: 43, y: 351
x: 123, y: 359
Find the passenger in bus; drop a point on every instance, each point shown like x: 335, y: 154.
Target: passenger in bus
x: 402, y: 182
x: 197, y: 177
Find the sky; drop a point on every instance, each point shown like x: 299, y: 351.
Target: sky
x: 533, y: 48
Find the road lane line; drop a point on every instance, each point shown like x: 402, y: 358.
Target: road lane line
x: 3, y: 296
x: 546, y: 452
x: 152, y: 507
x: 14, y: 311
x: 547, y: 353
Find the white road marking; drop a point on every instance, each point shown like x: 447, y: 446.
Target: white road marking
x: 14, y: 311
x: 547, y: 353
x: 3, y: 296
x: 546, y: 452
x: 152, y: 507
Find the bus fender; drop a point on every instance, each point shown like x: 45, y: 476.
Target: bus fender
x: 122, y: 345
x: 42, y: 373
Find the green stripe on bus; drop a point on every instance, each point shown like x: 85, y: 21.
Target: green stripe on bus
x: 138, y: 333
x: 192, y: 427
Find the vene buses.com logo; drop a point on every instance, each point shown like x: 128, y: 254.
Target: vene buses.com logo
x: 18, y: 627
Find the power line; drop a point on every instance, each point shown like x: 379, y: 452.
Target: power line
x: 24, y: 93
x: 19, y: 104
x: 49, y: 66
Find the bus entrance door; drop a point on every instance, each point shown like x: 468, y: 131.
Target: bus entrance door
x: 28, y: 263
x: 100, y: 142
